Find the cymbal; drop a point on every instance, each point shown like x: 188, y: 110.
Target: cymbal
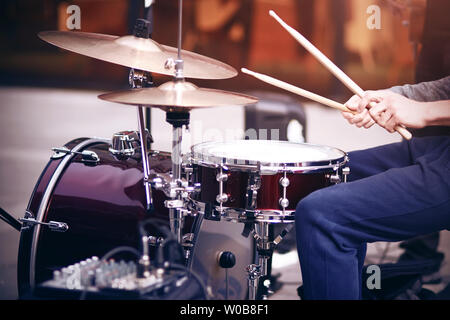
x: 178, y: 96
x: 138, y: 53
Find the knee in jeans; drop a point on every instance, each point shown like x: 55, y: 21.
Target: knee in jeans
x: 310, y: 208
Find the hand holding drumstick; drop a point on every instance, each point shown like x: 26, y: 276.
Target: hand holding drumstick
x: 387, y: 108
x: 327, y: 63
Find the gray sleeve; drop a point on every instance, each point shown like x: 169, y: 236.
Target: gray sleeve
x: 426, y: 91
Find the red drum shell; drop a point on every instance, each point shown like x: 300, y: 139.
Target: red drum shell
x: 269, y: 194
x: 307, y: 168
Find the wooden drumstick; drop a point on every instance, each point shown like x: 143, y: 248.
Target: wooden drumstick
x: 349, y: 83
x: 298, y: 91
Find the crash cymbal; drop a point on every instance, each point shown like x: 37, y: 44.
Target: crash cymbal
x: 138, y: 53
x: 178, y: 96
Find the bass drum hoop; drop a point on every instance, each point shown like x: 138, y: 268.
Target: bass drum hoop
x: 43, y: 206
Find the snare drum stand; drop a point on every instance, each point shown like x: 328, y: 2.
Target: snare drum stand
x: 264, y: 248
x: 177, y: 189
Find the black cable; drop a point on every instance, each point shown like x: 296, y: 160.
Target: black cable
x: 169, y: 237
x: 195, y: 275
x: 9, y: 219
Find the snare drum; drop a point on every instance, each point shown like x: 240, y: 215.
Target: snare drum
x: 260, y: 180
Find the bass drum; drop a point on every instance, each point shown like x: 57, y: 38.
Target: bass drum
x: 102, y: 203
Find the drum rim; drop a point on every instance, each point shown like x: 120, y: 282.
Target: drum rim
x: 239, y: 215
x: 211, y: 161
x: 46, y: 198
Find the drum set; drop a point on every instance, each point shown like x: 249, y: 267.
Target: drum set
x: 219, y: 200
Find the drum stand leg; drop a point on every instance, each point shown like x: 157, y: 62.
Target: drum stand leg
x: 177, y: 120
x: 264, y: 248
x: 145, y: 162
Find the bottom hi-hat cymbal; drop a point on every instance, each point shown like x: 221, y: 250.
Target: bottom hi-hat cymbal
x: 178, y: 96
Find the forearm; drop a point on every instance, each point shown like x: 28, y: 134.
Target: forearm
x: 426, y: 91
x: 437, y: 113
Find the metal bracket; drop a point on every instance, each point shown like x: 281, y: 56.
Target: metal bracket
x: 29, y: 221
x: 88, y: 157
x: 174, y: 204
x: 254, y: 183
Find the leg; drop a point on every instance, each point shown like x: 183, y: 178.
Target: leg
x: 365, y: 163
x: 333, y: 224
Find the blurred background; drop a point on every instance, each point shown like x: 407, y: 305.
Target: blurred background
x: 48, y: 96
x: 237, y: 32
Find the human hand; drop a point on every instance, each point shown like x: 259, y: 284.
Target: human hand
x: 359, y: 118
x: 387, y: 109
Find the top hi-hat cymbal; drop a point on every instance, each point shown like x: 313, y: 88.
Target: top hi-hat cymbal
x: 178, y: 96
x: 138, y: 53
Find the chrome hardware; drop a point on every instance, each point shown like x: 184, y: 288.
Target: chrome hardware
x: 174, y: 204
x: 144, y: 261
x: 125, y: 143
x: 284, y: 203
x: 335, y: 178
x: 179, y: 65
x: 221, y: 177
x: 188, y: 171
x: 197, y: 187
x: 188, y: 240
x: 284, y: 182
x: 142, y: 79
x: 155, y: 241
x: 253, y: 185
x: 139, y: 79
x: 222, y: 197
x: 29, y: 221
x: 158, y: 183
x: 345, y: 173
x: 169, y: 64
x: 89, y: 157
x: 254, y: 273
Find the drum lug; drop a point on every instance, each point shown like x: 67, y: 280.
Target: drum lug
x: 284, y: 201
x: 222, y: 197
x: 29, y: 221
x: 254, y: 183
x: 335, y: 178
x: 87, y: 157
x: 345, y: 173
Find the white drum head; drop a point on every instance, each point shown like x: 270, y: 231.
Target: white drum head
x: 266, y: 153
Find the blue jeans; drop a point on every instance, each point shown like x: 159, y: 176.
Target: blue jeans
x: 395, y: 192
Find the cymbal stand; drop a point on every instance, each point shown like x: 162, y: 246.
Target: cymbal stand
x: 177, y: 120
x: 177, y: 189
x: 139, y: 79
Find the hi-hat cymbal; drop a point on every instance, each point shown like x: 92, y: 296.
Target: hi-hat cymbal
x: 178, y: 96
x: 138, y: 53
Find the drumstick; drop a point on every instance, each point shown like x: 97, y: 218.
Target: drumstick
x: 349, y: 83
x: 298, y: 91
